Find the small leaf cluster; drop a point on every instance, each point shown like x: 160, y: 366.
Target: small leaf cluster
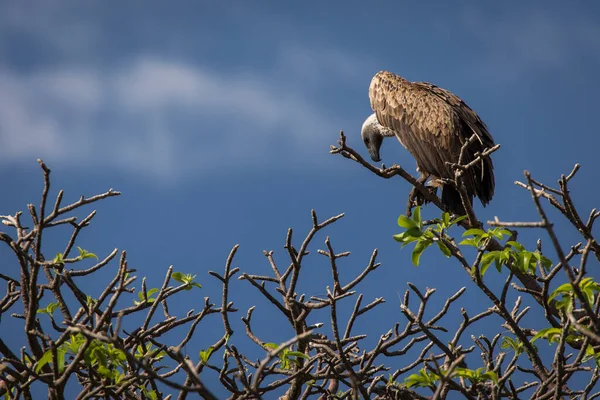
x: 287, y: 357
x: 476, y: 376
x: 187, y: 279
x: 524, y: 260
x: 589, y: 288
x: 513, y: 344
x: 149, y: 351
x: 424, y: 238
x: 591, y: 354
x: 552, y: 335
x: 104, y: 358
x: 146, y: 297
x: 83, y: 254
x: 205, y: 354
x: 425, y: 378
x: 50, y: 308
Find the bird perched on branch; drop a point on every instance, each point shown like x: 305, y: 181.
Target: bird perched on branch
x: 433, y: 125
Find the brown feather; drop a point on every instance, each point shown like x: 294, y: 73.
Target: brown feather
x: 433, y: 124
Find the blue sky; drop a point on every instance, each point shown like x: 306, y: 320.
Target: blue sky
x: 215, y: 120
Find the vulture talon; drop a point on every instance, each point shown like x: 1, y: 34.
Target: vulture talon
x: 420, y: 197
x: 416, y: 198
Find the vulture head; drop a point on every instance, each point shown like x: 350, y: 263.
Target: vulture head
x: 373, y: 134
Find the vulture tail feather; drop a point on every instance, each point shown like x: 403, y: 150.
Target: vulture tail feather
x: 451, y: 199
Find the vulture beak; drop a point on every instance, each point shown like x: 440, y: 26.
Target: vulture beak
x: 374, y: 153
x: 373, y: 146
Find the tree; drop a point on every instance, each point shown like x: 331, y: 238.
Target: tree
x: 77, y: 340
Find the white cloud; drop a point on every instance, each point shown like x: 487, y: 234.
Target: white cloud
x: 87, y: 102
x: 26, y: 128
x: 318, y: 64
x: 153, y: 116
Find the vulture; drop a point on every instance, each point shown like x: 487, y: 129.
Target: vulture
x: 433, y: 125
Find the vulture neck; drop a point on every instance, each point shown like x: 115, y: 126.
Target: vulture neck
x: 372, y: 124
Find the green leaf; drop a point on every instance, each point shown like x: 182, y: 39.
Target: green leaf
x: 298, y: 354
x: 505, y: 232
x: 186, y: 279
x: 60, y: 359
x: 399, y: 237
x: 589, y: 288
x: 565, y: 303
x: 117, y: 355
x: 406, y: 222
x: 589, y: 296
x: 404, y: 238
x: 58, y: 260
x: 503, y: 258
x: 85, y: 254
x: 587, y: 283
x: 272, y: 346
x: 550, y: 334
x: 100, y: 354
x: 422, y: 379
x: 44, y: 359
x: 546, y: 262
x: 150, y: 394
x: 50, y: 308
x: 178, y: 276
x: 498, y: 233
x: 414, y: 232
x: 592, y: 284
x: 104, y: 371
x: 140, y: 352
x: 486, y: 260
x: 470, y: 242
x: 205, y: 354
x: 516, y: 245
x: 590, y: 354
x: 464, y: 373
x: 458, y: 219
x: 527, y: 261
x: 562, y: 289
x: 491, y: 375
x: 446, y: 219
x: 477, y: 375
x: 417, y: 217
x: 418, y: 250
x: 473, y: 232
x: 514, y: 344
x: 147, y: 298
x: 445, y: 250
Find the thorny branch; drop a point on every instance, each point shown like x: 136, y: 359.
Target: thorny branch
x: 578, y: 329
x: 414, y: 357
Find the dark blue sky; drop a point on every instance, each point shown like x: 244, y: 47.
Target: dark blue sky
x: 215, y: 121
